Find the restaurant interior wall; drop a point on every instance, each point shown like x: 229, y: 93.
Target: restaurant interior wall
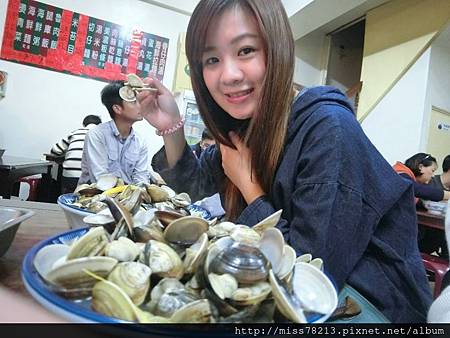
x: 402, y: 117
x: 435, y: 131
x: 310, y: 57
x: 42, y: 106
x: 439, y: 81
x: 395, y: 124
x: 396, y: 34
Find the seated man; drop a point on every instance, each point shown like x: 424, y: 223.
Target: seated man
x: 443, y: 181
x: 72, y: 148
x: 113, y: 147
x: 204, y: 143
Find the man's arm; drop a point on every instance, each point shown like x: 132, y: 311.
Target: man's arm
x: 61, y: 147
x: 96, y: 153
x: 141, y: 171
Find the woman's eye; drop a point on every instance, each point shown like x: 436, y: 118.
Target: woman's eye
x: 246, y: 50
x: 211, y: 60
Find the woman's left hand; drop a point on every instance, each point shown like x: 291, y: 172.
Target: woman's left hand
x: 237, y: 166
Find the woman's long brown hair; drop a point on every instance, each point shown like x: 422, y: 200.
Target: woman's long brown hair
x: 265, y: 132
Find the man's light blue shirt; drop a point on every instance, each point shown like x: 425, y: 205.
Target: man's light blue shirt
x: 106, y: 152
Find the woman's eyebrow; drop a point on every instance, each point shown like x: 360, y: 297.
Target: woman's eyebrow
x: 233, y: 41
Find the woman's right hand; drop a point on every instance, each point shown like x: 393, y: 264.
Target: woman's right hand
x: 160, y: 108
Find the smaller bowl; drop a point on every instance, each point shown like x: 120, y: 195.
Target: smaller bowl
x: 10, y: 219
x: 74, y: 215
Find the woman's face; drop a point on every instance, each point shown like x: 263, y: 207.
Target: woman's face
x: 234, y: 63
x: 427, y: 173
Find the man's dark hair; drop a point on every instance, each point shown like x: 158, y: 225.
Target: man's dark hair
x: 446, y: 164
x: 91, y: 119
x: 110, y: 96
x: 206, y: 134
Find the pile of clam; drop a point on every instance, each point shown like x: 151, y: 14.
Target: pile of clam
x: 159, y: 266
x: 92, y: 197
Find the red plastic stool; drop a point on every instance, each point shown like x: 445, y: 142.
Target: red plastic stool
x: 438, y: 266
x: 33, y: 182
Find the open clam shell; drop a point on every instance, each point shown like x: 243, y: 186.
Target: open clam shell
x: 106, y: 182
x: 202, y: 278
x: 195, y: 254
x: 245, y: 235
x: 268, y: 222
x: 287, y: 262
x: 318, y: 263
x: 223, y: 285
x: 143, y: 218
x: 185, y: 230
x: 181, y: 200
x: 165, y: 285
x: 314, y: 289
x: 121, y: 215
x: 134, y: 81
x: 47, y: 258
x: 157, y: 193
x: 284, y: 301
x: 127, y: 94
x: 122, y: 249
x: 271, y: 245
x: 171, y: 301
x: 305, y: 258
x: 92, y: 243
x: 89, y: 191
x: 166, y: 216
x: 109, y: 299
x: 133, y: 202
x: 221, y: 229
x: 198, y: 311
x: 95, y: 220
x: 163, y: 260
x: 71, y: 274
x: 145, y: 233
x: 250, y: 295
x: 133, y: 278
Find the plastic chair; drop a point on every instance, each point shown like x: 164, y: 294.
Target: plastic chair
x: 438, y: 266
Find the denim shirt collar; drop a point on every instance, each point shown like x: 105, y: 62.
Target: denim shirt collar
x: 116, y: 132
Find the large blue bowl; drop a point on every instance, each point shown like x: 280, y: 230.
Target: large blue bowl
x: 80, y: 311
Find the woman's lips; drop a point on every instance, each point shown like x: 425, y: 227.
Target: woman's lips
x: 238, y: 97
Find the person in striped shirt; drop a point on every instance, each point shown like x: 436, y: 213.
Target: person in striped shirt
x: 72, y: 149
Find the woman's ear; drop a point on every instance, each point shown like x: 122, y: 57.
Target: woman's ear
x: 420, y: 168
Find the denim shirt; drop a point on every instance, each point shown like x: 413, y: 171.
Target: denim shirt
x: 105, y: 151
x: 341, y: 201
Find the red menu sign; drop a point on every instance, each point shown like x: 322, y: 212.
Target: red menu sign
x: 45, y: 36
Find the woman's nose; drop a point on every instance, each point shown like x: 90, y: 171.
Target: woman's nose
x: 232, y: 73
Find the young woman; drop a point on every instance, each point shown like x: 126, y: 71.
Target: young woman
x: 419, y: 169
x: 303, y: 153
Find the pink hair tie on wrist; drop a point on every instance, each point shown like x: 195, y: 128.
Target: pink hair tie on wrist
x: 172, y: 129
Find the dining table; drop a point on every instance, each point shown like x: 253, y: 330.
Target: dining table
x: 13, y: 167
x: 48, y: 220
x: 430, y: 220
